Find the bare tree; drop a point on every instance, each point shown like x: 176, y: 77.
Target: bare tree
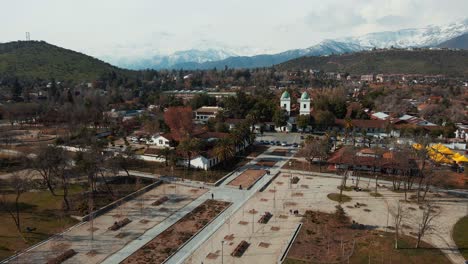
x: 422, y: 154
x: 49, y: 163
x: 20, y: 183
x: 314, y: 149
x: 398, y: 216
x: 429, y: 213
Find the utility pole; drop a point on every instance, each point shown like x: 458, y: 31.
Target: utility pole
x: 222, y: 251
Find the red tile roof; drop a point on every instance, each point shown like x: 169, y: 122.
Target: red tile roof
x: 362, y: 123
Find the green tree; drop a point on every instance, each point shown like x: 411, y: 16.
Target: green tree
x: 280, y: 117
x: 303, y: 121
x: 324, y: 119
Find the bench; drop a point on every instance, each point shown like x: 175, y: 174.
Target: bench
x: 265, y: 218
x: 62, y: 257
x: 240, y: 249
x: 119, y: 224
x: 160, y: 201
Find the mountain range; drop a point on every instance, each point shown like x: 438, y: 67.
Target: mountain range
x: 430, y: 36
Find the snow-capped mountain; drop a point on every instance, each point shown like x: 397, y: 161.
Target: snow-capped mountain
x: 178, y: 57
x: 430, y: 36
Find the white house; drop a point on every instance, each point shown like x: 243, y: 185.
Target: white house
x: 204, y: 113
x: 204, y: 162
x: 161, y: 140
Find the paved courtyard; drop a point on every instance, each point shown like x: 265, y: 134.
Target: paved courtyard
x: 269, y: 241
x: 105, y: 242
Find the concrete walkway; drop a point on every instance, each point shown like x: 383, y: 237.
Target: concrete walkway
x: 235, y: 196
x: 238, y: 198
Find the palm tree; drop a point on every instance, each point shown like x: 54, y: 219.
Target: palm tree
x: 190, y: 147
x: 253, y: 118
x: 348, y: 125
x: 166, y: 152
x: 224, y: 149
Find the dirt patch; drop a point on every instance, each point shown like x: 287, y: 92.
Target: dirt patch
x: 290, y: 204
x: 212, y: 256
x: 266, y: 163
x: 253, y: 211
x: 247, y: 178
x: 279, y: 152
x: 166, y: 243
x: 275, y: 228
x: 333, y: 238
x: 264, y: 245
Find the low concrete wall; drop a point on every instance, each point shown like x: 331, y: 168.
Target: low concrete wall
x: 269, y: 182
x: 288, y: 247
x: 150, y: 158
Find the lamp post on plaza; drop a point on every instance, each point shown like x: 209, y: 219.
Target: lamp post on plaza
x: 222, y: 251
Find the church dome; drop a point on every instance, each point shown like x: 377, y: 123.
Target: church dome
x: 285, y: 95
x: 305, y: 96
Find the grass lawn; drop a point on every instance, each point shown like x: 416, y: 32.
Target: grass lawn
x: 43, y: 211
x: 336, y: 197
x: 40, y: 210
x: 460, y: 236
x: 380, y: 247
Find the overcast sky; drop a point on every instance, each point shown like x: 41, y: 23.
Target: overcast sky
x: 141, y: 27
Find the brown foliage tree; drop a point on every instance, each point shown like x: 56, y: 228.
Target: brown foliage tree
x: 179, y: 120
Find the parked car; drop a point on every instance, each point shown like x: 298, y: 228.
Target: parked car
x: 295, y: 145
x: 272, y: 143
x: 284, y: 143
x: 277, y: 143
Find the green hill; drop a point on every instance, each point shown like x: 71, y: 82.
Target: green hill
x: 38, y: 59
x: 447, y: 62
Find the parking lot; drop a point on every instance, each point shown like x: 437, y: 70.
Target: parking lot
x: 283, y: 138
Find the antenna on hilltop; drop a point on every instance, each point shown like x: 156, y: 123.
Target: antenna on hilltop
x: 28, y: 36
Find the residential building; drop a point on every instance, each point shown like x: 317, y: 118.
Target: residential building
x: 204, y: 113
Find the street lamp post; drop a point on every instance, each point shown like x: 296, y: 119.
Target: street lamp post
x: 290, y: 174
x: 222, y: 251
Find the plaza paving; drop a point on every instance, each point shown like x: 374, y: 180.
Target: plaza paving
x: 105, y: 242
x: 311, y: 194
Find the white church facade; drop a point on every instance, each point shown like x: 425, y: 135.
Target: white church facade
x: 303, y: 108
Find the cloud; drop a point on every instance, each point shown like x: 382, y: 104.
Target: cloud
x: 393, y: 20
x: 334, y: 18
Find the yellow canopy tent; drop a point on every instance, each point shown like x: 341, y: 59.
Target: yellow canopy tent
x: 439, y: 148
x: 460, y: 159
x: 442, y: 154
